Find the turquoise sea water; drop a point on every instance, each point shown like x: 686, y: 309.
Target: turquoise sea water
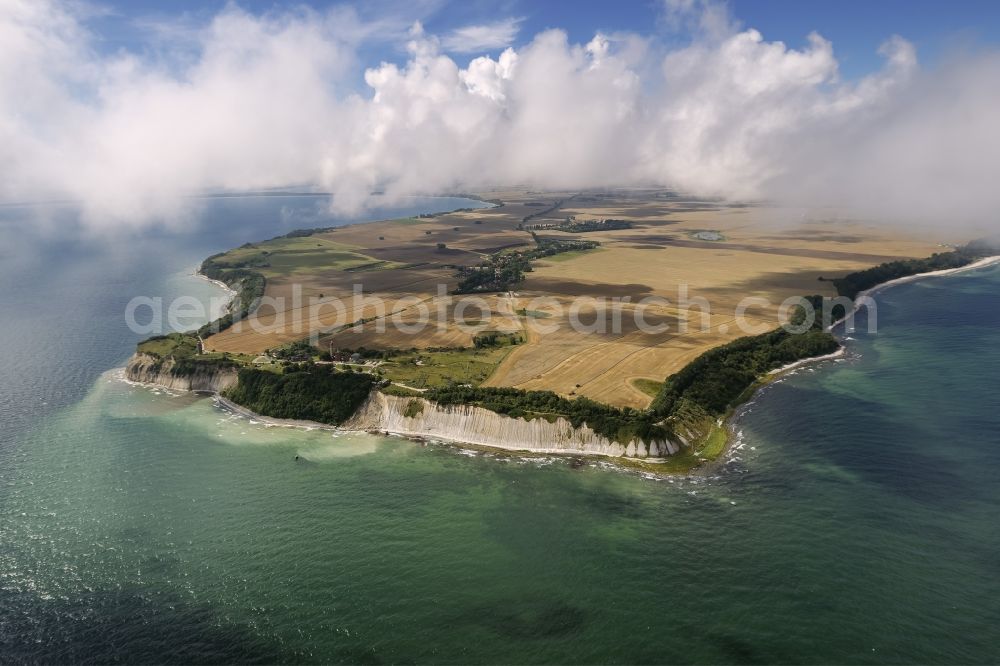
x: 856, y: 521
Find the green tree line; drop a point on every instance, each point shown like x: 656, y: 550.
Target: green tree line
x: 854, y: 283
x: 248, y: 284
x: 714, y: 382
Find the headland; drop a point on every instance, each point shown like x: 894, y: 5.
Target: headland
x: 538, y: 365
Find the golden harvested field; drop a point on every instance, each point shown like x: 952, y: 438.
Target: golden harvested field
x: 572, y: 345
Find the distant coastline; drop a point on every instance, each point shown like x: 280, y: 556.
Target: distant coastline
x: 871, y: 291
x: 733, y: 418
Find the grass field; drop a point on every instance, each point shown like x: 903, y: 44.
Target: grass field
x: 177, y: 345
x: 432, y: 369
x: 765, y: 253
x: 650, y: 387
x: 284, y: 257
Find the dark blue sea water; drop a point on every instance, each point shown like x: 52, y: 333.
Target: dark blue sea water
x: 857, y: 521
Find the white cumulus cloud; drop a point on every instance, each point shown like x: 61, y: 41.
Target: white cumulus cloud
x: 270, y: 100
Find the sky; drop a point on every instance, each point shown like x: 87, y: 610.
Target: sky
x: 857, y: 28
x: 887, y: 107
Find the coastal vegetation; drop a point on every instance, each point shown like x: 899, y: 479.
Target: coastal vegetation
x: 413, y: 409
x: 186, y: 367
x: 854, y: 283
x: 620, y: 425
x: 316, y: 393
x: 183, y: 352
x: 249, y: 285
x: 714, y: 382
x: 177, y: 345
x: 707, y: 388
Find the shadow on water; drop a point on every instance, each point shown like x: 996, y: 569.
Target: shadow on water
x: 530, y: 619
x: 887, y: 451
x: 132, y: 625
x: 735, y: 650
x: 148, y: 626
x: 614, y: 504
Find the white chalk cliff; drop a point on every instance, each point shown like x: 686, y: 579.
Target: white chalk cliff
x: 417, y: 417
x: 150, y: 369
x: 475, y: 425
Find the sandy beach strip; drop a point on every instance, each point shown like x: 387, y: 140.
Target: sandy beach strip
x: 218, y: 283
x: 228, y: 405
x: 805, y: 361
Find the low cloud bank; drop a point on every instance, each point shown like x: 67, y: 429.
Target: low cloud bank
x: 248, y: 102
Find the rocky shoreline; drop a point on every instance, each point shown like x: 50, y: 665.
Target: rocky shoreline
x: 149, y: 369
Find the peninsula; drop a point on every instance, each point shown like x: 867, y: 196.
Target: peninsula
x: 698, y: 291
